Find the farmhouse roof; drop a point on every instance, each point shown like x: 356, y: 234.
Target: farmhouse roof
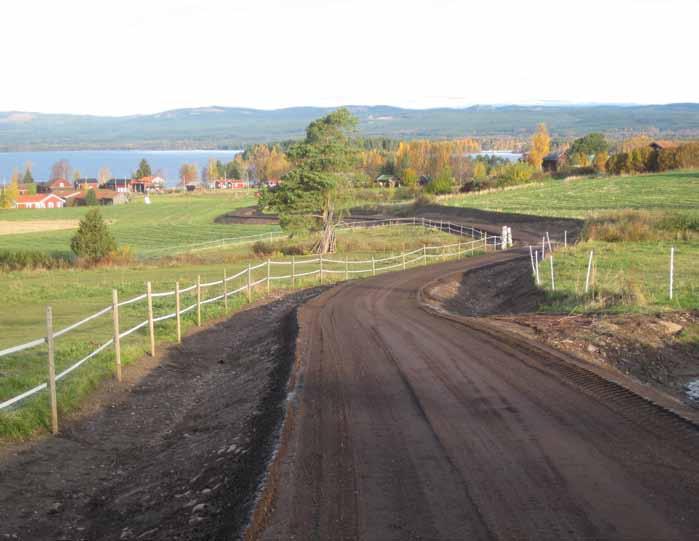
x: 100, y: 194
x: 664, y: 143
x: 37, y: 198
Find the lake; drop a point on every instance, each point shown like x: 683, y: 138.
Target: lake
x: 121, y: 163
x: 505, y: 154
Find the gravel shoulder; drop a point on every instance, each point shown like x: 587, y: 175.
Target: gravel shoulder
x: 176, y: 452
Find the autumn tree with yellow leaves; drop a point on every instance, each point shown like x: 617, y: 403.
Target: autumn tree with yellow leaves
x: 540, y: 146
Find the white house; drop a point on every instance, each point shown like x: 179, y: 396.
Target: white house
x: 40, y: 201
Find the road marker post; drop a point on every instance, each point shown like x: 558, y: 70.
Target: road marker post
x: 249, y: 288
x: 178, y: 316
x: 548, y: 239
x: 373, y: 266
x: 198, y: 300
x: 269, y: 276
x: 553, y: 281
x: 151, y: 324
x: 565, y: 238
x: 531, y: 256
x: 117, y: 340
x: 536, y: 268
x: 225, y: 291
x: 672, y: 270
x: 589, y: 269
x: 53, y: 401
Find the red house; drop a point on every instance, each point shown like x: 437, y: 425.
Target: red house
x: 60, y: 184
x: 40, y: 201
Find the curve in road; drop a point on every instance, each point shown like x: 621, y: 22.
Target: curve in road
x: 408, y: 425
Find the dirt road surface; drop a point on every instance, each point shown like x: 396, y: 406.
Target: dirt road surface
x: 409, y: 425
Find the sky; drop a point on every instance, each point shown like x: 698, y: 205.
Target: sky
x: 123, y: 57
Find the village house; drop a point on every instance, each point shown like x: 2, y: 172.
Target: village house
x: 40, y: 201
x: 117, y: 184
x: 86, y: 184
x: 104, y: 197
x: 60, y: 184
x: 553, y: 161
x: 147, y: 184
x: 387, y: 181
x: 664, y: 145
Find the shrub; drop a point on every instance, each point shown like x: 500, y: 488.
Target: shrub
x: 24, y: 259
x: 91, y: 198
x: 442, y: 183
x: 93, y: 241
x: 514, y: 173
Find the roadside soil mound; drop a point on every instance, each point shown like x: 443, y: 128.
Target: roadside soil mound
x: 175, y: 453
x: 652, y: 349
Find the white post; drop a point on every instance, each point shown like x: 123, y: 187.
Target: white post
x: 151, y: 324
x: 424, y: 252
x: 565, y: 238
x: 53, y: 401
x: 225, y: 291
x: 672, y: 270
x: 403, y: 260
x: 321, y: 269
x: 509, y: 236
x: 117, y: 342
x: 503, y: 237
x: 548, y: 239
x: 531, y: 256
x: 199, y: 301
x: 249, y: 288
x: 177, y: 311
x: 373, y: 266
x: 589, y: 269
x: 293, y: 271
x: 536, y: 268
x: 553, y: 281
x: 269, y: 274
x: 346, y: 268
x: 543, y: 248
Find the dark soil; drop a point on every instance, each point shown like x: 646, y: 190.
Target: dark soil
x: 247, y: 215
x: 177, y: 452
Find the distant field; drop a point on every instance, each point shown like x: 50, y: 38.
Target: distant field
x: 171, y: 221
x: 667, y: 192
x: 16, y: 227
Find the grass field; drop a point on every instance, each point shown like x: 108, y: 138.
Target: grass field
x: 629, y: 276
x: 170, y: 222
x: 75, y: 294
x: 676, y: 192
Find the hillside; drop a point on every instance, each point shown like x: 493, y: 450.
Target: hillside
x: 229, y: 127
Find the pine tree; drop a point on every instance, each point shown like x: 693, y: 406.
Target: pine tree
x: 93, y: 240
x: 91, y: 198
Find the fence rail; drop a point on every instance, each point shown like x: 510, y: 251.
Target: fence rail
x: 480, y: 240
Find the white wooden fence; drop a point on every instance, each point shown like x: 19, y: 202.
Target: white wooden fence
x: 326, y: 267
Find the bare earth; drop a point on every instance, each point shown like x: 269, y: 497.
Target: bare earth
x: 413, y: 425
x: 35, y: 226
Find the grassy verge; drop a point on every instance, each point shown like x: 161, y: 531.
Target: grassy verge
x: 74, y: 294
x: 626, y: 277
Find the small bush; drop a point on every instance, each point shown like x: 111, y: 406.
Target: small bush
x: 263, y: 248
x: 93, y: 241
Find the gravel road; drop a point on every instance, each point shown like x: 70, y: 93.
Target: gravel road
x: 408, y: 425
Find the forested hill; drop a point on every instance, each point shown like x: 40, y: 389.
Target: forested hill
x: 229, y: 127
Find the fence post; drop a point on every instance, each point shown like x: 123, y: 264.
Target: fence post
x: 553, y: 281
x: 565, y: 238
x: 198, y: 300
x: 293, y: 271
x: 404, y: 260
x: 225, y: 291
x: 346, y: 268
x: 589, y: 269
x: 424, y: 254
x: 151, y: 325
x: 543, y: 248
x: 52, y: 371
x: 321, y: 269
x: 269, y: 274
x: 373, y: 266
x: 548, y: 239
x: 503, y: 237
x: 117, y: 341
x: 178, y: 317
x: 249, y: 288
x: 672, y: 270
x: 531, y: 256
